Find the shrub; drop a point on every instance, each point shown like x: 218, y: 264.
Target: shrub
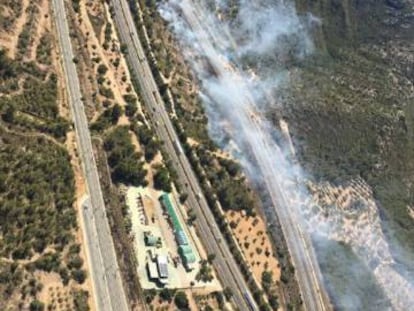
x: 102, y: 69
x: 181, y: 300
x: 162, y: 180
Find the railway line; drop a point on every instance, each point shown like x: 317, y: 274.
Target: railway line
x: 227, y: 269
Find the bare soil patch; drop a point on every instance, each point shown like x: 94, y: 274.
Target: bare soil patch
x: 8, y: 40
x: 250, y: 232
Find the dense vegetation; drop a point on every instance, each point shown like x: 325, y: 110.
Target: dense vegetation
x: 126, y: 164
x: 181, y: 301
x: 37, y: 217
x: 80, y: 300
x: 14, y: 10
x: 148, y: 141
x: 34, y: 108
x: 350, y: 111
x: 26, y: 38
x: 109, y: 117
x: 31, y: 183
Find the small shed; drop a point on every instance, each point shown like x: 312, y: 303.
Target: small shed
x: 162, y: 263
x: 152, y: 270
x: 187, y: 255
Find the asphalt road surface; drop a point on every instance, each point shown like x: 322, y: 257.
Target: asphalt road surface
x: 266, y: 152
x: 227, y: 269
x: 109, y: 293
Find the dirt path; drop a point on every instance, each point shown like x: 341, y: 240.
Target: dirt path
x: 9, y: 40
x: 31, y: 135
x: 95, y: 50
x: 42, y: 24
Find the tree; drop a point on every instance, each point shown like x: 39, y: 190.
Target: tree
x: 131, y: 109
x: 267, y: 280
x: 124, y: 48
x: 162, y: 180
x: 183, y: 197
x: 228, y: 293
x: 150, y: 295
x: 166, y: 294
x: 8, y: 114
x: 205, y: 273
x: 191, y: 217
x: 181, y: 300
x: 220, y: 298
x: 37, y: 305
x: 64, y: 275
x: 273, y: 301
x: 210, y: 258
x: 7, y: 67
x: 265, y: 307
x: 75, y: 262
x: 80, y: 300
x: 102, y: 69
x: 151, y: 149
x: 79, y: 275
x: 123, y: 159
x: 116, y: 112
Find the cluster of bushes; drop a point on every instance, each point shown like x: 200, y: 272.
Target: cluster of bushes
x: 168, y: 295
x: 38, y: 218
x: 205, y: 274
x: 37, y: 189
x: 25, y: 36
x: 131, y: 105
x: 57, y: 127
x: 108, y: 34
x: 52, y: 261
x: 36, y: 177
x: 80, y: 300
x: 7, y: 66
x: 108, y: 118
x: 162, y: 179
x: 7, y: 20
x: 38, y: 97
x: 76, y: 5
x: 44, y: 49
x: 369, y: 133
x: 147, y: 140
x: 126, y: 164
x: 267, y: 284
x: 35, y: 108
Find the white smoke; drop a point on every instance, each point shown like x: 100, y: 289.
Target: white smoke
x: 236, y: 96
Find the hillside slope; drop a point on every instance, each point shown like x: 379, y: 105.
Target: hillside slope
x: 351, y: 107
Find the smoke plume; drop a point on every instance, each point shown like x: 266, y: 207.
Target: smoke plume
x: 241, y: 59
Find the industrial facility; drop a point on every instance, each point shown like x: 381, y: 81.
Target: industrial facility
x: 167, y: 251
x: 184, y: 249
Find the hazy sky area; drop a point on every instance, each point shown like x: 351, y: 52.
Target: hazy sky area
x: 240, y: 65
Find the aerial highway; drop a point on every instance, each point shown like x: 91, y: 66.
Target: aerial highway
x: 227, y: 269
x: 242, y: 110
x: 108, y: 291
